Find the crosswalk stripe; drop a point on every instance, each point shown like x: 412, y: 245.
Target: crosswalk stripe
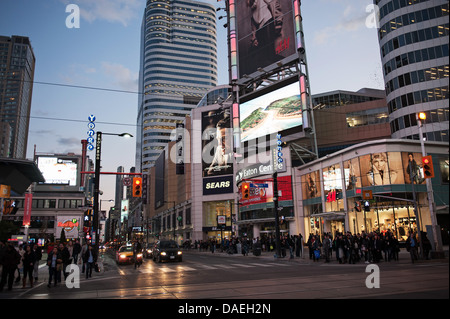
x: 167, y: 269
x: 207, y: 267
x: 185, y: 268
x: 243, y: 265
x: 260, y: 265
x: 278, y: 264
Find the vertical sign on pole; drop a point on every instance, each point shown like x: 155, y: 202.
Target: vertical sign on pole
x: 27, y: 209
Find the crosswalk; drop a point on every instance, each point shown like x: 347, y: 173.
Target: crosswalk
x: 177, y: 267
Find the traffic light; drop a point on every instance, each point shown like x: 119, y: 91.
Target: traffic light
x: 427, y: 165
x: 137, y: 187
x: 366, y: 206
x: 245, y: 190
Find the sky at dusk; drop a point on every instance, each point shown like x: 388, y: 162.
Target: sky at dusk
x: 342, y: 54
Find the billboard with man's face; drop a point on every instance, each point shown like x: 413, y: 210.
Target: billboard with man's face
x: 265, y: 33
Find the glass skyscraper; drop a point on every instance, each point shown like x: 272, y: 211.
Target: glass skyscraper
x: 178, y: 65
x: 17, y: 63
x: 414, y: 43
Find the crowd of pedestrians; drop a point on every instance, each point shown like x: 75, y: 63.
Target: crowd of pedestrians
x: 23, y: 261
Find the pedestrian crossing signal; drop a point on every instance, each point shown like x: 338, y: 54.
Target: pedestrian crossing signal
x: 427, y: 165
x: 137, y: 187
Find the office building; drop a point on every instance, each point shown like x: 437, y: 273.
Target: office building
x: 17, y: 64
x: 178, y: 64
x: 414, y: 37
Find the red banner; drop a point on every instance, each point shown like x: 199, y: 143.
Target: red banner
x: 27, y: 209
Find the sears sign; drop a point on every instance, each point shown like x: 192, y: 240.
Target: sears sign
x: 218, y: 185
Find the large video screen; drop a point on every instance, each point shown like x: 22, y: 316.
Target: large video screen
x: 58, y: 170
x: 272, y: 112
x: 217, y: 141
x: 265, y: 33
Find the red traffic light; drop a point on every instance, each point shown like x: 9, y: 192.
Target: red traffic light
x: 137, y: 190
x: 427, y: 165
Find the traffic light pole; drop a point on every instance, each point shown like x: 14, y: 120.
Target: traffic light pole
x: 431, y: 205
x: 98, y: 151
x: 277, y: 221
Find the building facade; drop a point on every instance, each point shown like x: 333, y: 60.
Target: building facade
x: 414, y: 37
x: 178, y: 65
x: 17, y: 62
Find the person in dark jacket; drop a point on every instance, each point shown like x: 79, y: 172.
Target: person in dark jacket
x: 91, y: 259
x: 54, y: 262
x: 28, y: 260
x: 65, y: 258
x: 76, y: 251
x: 38, y: 255
x: 10, y: 259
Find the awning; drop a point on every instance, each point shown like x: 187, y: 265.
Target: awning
x: 19, y: 174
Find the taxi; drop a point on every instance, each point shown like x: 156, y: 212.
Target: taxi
x: 125, y: 255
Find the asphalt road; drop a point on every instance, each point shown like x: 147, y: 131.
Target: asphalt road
x: 219, y: 276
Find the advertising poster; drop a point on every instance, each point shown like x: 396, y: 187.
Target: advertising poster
x: 311, y: 185
x: 124, y: 210
x: 262, y: 191
x: 59, y: 171
x: 412, y: 167
x: 265, y: 33
x: 27, y: 209
x: 217, y: 143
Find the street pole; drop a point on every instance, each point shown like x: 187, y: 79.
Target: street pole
x: 277, y: 222
x: 98, y: 151
x: 431, y: 204
x: 416, y: 212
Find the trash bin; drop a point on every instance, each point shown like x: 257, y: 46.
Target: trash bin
x: 257, y: 250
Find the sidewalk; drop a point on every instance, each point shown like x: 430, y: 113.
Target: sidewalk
x: 404, y: 257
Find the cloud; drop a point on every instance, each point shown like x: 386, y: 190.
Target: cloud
x: 69, y: 141
x: 121, y: 11
x: 121, y: 76
x: 351, y: 21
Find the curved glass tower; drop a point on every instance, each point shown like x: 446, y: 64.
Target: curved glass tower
x: 178, y: 66
x: 414, y: 37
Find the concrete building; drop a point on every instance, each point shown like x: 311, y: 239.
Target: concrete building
x: 17, y: 62
x: 178, y: 65
x: 414, y: 37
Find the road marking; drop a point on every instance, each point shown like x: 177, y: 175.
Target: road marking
x: 185, y: 268
x: 167, y: 269
x: 243, y: 265
x: 260, y: 265
x: 207, y: 267
x: 278, y: 264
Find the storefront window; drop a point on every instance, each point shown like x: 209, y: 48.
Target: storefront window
x: 311, y: 185
x: 211, y: 213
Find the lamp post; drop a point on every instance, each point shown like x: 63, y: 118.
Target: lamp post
x: 420, y: 117
x: 98, y: 151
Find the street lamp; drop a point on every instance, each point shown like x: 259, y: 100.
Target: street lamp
x: 98, y: 151
x: 420, y: 117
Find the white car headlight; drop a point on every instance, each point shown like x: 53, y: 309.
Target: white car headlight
x: 163, y: 253
x: 139, y: 255
x: 180, y: 252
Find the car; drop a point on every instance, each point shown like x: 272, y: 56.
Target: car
x: 125, y: 255
x: 148, y: 250
x: 167, y: 250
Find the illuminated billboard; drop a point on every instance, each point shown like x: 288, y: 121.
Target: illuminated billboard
x: 265, y: 33
x: 59, y: 170
x: 217, y: 143
x: 272, y: 112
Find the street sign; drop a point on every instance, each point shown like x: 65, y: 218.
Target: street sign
x: 127, y: 181
x: 259, y: 185
x: 367, y: 194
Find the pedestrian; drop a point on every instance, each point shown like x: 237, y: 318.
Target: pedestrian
x: 21, y: 251
x: 411, y: 247
x: 54, y: 263
x: 28, y: 260
x: 84, y: 249
x: 76, y: 251
x: 38, y: 256
x: 91, y: 259
x: 326, y: 248
x: 65, y: 255
x: 9, y: 261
